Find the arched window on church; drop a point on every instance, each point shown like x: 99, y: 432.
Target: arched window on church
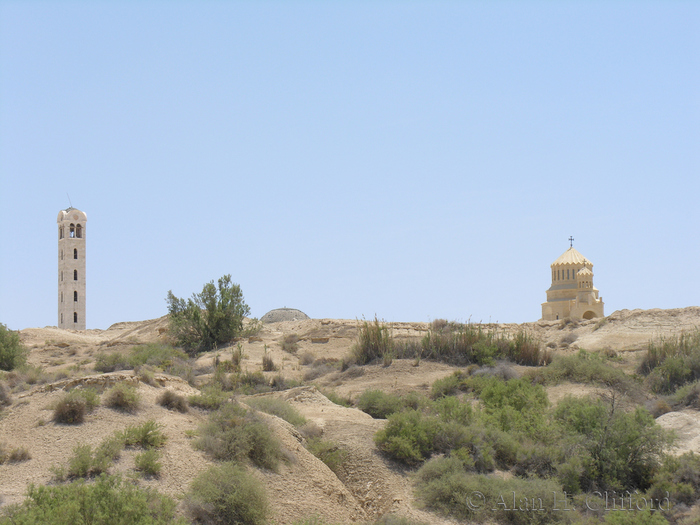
x: 60, y: 232
x: 75, y: 317
x: 79, y: 231
x: 75, y: 297
x: 72, y: 231
x: 75, y: 275
x: 75, y: 253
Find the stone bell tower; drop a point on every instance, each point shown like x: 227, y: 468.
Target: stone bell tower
x: 71, y: 268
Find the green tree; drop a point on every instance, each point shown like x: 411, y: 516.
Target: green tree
x: 209, y: 318
x: 12, y: 352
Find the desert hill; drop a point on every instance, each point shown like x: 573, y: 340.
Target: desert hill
x: 368, y: 486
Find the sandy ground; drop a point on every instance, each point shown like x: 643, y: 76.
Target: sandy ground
x: 368, y: 487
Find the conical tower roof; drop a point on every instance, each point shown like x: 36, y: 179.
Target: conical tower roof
x: 571, y: 256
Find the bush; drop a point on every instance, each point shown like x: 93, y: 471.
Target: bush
x: 123, y: 397
x: 147, y: 435
x: 147, y: 462
x: 290, y: 343
x: 5, y: 398
x: 227, y: 495
x: 70, y: 410
x: 234, y: 434
x: 374, y: 342
x: 378, y: 404
x: 211, y: 398
x: 672, y: 362
x: 329, y: 452
x: 268, y: 365
x: 12, y: 352
x: 277, y: 407
x: 112, y: 362
x: 212, y: 317
x: 173, y: 401
x: 618, y: 449
x: 408, y: 436
x: 585, y: 367
x: 444, y: 486
x: 108, y: 501
x: 13, y: 455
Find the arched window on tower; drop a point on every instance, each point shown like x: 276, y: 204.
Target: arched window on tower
x: 75, y: 317
x: 75, y: 253
x: 60, y: 232
x: 75, y: 297
x: 75, y: 275
x: 79, y: 231
x: 72, y: 231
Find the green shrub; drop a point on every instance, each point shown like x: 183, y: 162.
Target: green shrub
x: 448, y: 386
x: 210, y: 318
x: 123, y: 397
x: 234, y: 434
x: 173, y: 401
x: 83, y: 463
x: 108, y: 501
x: 5, y: 398
x: 277, y: 407
x: 210, y: 398
x: 227, y: 495
x: 147, y: 435
x: 619, y: 449
x: 12, y: 351
x: 374, y: 342
x: 450, y: 409
x: 329, y: 453
x: 408, y: 436
x: 147, y: 462
x: 680, y: 477
x: 585, y: 367
x: 444, y: 486
x: 112, y: 362
x: 378, y: 404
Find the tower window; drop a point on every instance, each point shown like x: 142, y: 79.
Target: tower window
x: 61, y: 276
x: 72, y: 231
x: 79, y: 231
x: 61, y: 317
x: 567, y: 275
x: 75, y: 297
x: 75, y: 317
x: 75, y: 275
x: 60, y: 232
x: 75, y: 253
x: 61, y: 296
x: 61, y: 254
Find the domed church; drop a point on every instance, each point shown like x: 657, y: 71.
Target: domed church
x: 572, y: 293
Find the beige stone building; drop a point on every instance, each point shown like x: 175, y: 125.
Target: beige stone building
x: 572, y: 293
x: 71, y: 269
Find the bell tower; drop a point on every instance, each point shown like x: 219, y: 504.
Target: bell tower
x: 71, y: 268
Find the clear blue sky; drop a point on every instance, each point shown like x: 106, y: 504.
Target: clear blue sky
x: 413, y: 160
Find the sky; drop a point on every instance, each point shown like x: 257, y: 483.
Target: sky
x: 407, y: 160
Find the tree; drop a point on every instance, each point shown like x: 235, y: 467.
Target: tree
x: 209, y: 318
x: 12, y: 352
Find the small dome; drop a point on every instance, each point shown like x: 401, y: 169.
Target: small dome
x: 584, y: 272
x: 571, y: 256
x: 283, y: 314
x: 71, y: 214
